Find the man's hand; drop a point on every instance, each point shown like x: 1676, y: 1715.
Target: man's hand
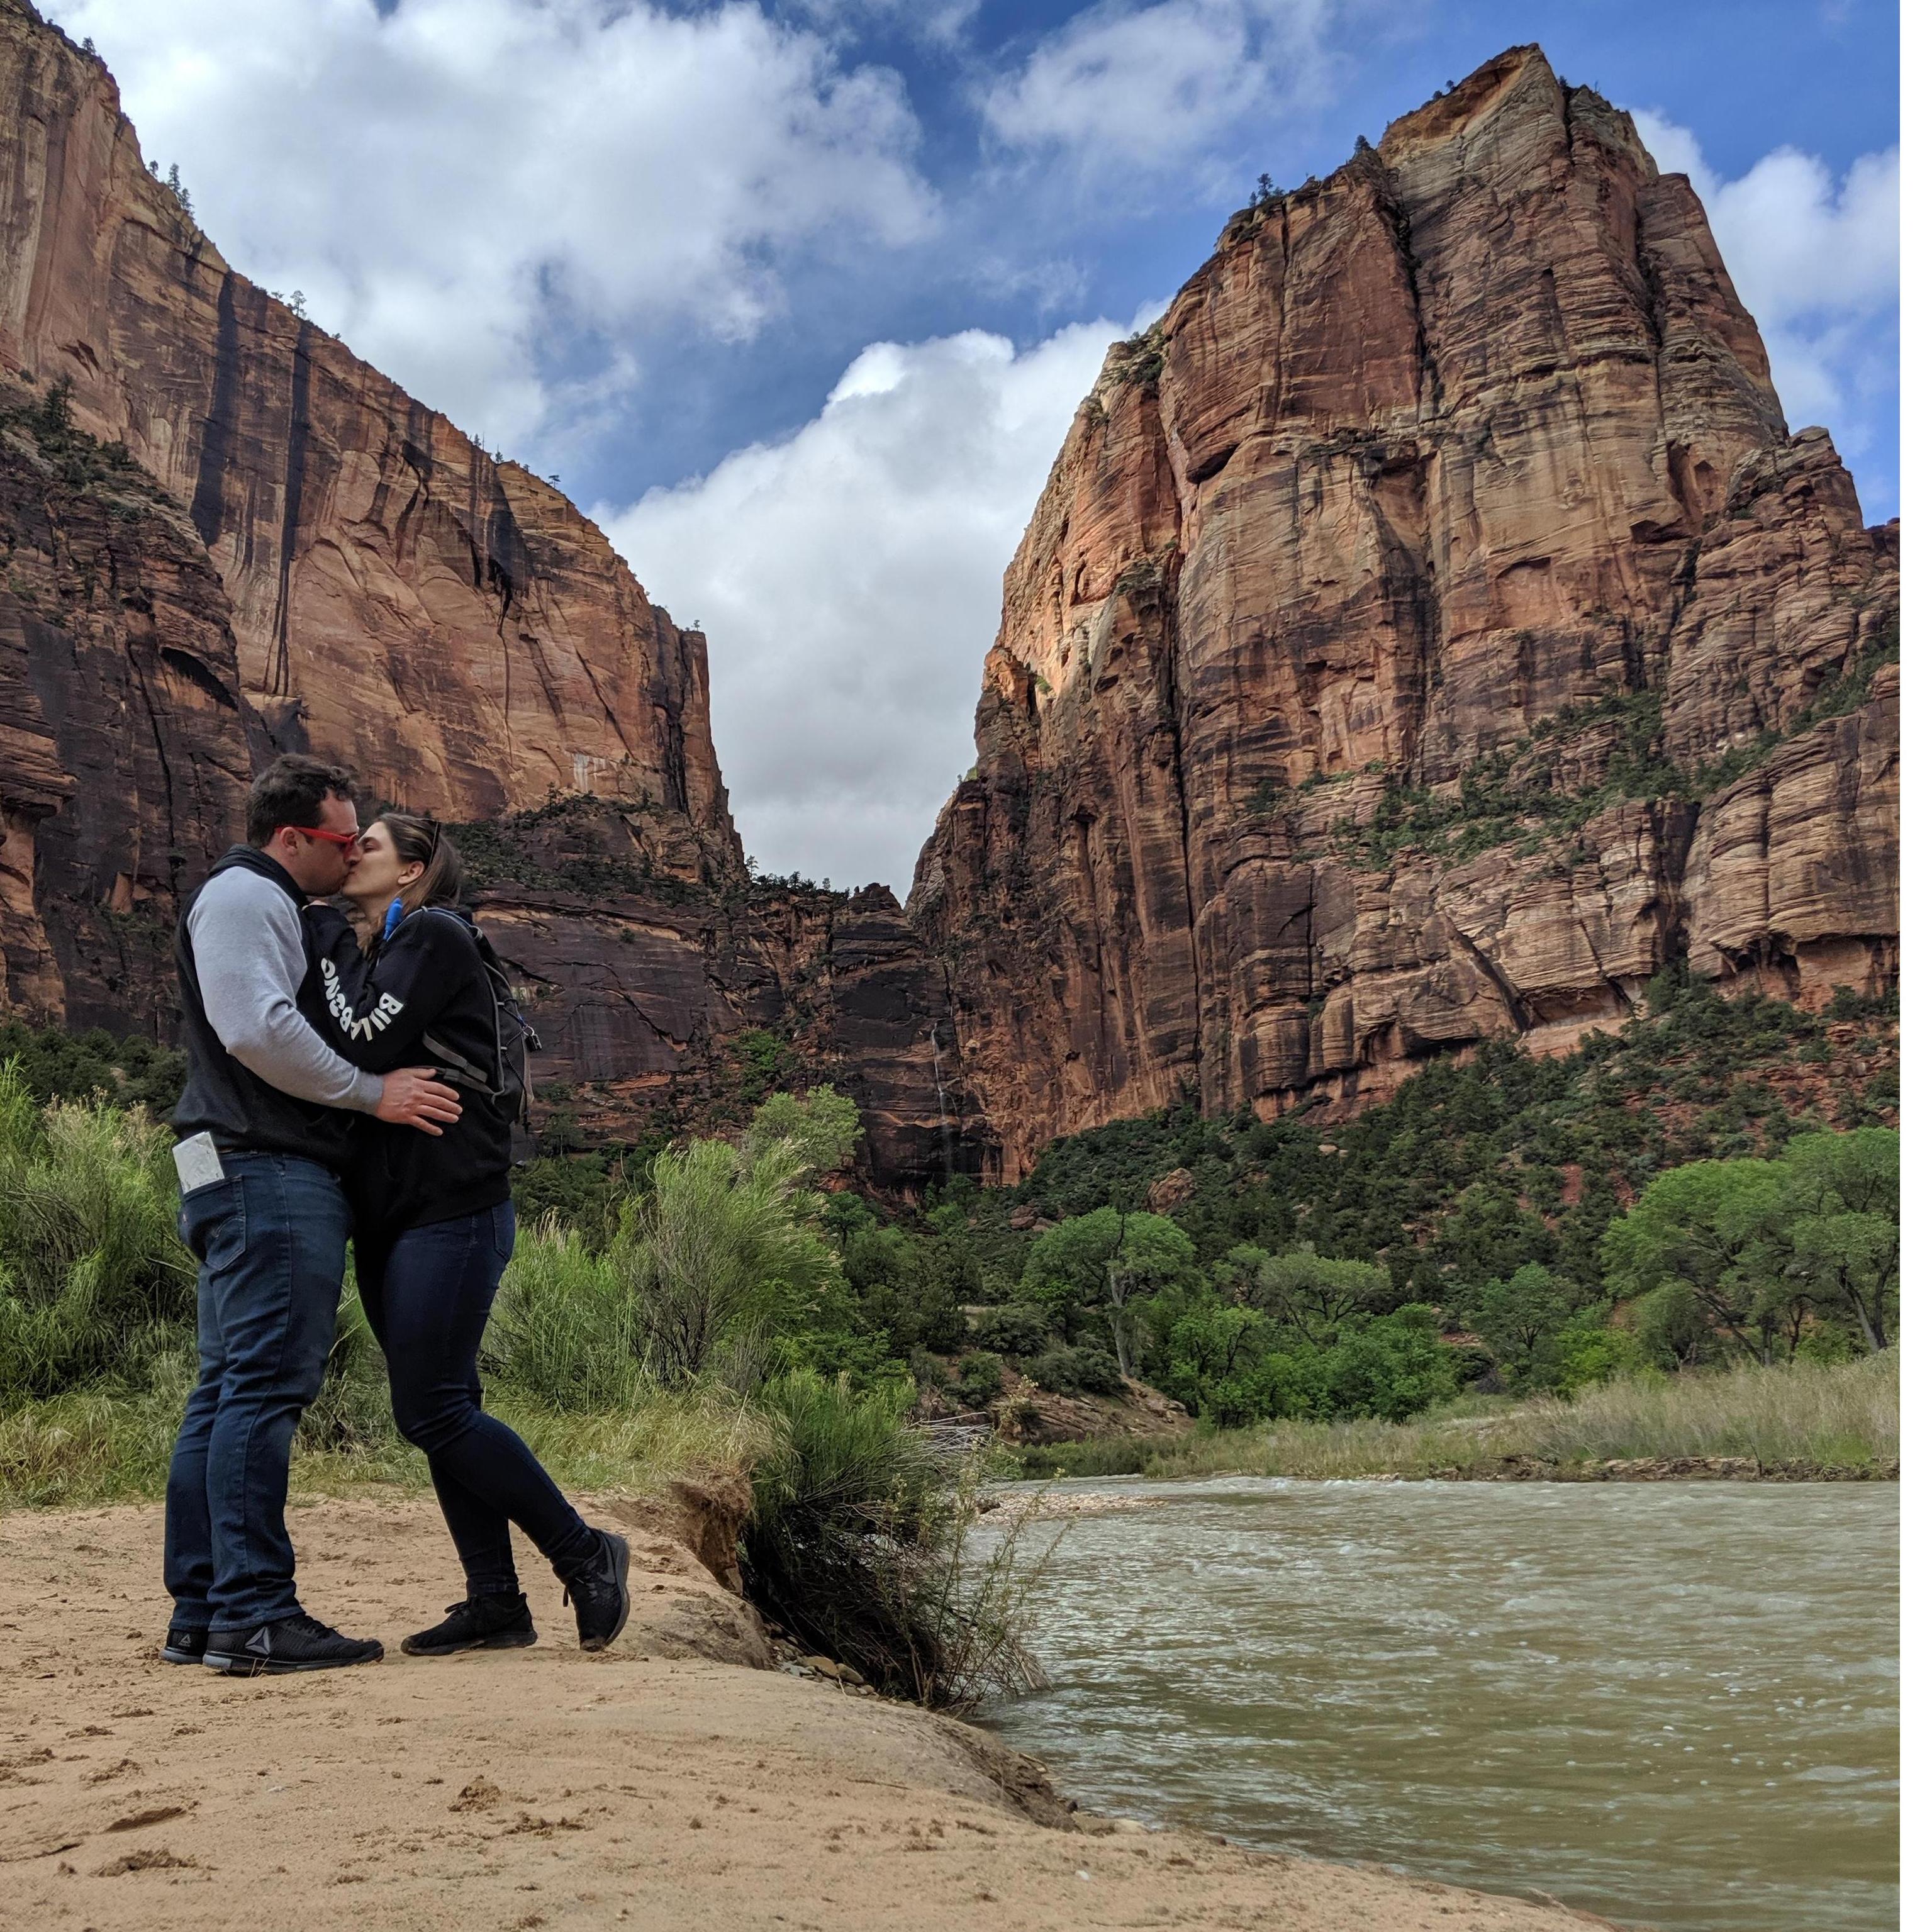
x: 412, y: 1096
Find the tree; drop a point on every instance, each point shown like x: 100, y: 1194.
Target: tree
x: 821, y: 1128
x: 1513, y: 1316
x: 1104, y: 1264
x: 1316, y: 1296
x: 1721, y: 1229
x: 1217, y: 1354
x: 1671, y: 1329
x: 1392, y: 1367
x: 1844, y: 1227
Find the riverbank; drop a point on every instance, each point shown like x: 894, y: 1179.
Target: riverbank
x: 1801, y: 1422
x: 543, y: 1788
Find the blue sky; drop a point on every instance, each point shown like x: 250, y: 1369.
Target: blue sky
x: 798, y: 299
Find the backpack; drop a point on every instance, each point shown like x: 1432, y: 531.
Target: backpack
x: 508, y: 1083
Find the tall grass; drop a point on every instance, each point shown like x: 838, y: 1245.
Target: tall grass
x: 858, y: 1542
x: 564, y: 1328
x: 1839, y: 1416
x: 91, y: 1270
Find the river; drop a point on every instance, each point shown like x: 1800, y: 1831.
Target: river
x: 1675, y: 1704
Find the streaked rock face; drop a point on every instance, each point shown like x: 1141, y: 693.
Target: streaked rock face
x: 124, y: 744
x: 447, y: 624
x: 1457, y: 472
x: 298, y: 556
x: 1453, y: 483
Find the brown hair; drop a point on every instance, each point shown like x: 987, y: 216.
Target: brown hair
x: 420, y: 841
x: 291, y: 791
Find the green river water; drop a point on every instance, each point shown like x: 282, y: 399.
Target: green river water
x: 1675, y: 1704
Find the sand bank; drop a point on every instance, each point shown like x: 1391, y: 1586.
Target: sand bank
x: 543, y: 1788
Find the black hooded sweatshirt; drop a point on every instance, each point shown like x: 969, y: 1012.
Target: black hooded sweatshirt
x: 426, y: 976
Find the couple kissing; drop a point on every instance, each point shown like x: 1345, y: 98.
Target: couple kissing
x: 345, y: 1085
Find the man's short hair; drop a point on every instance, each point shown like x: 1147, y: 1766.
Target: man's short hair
x: 291, y: 791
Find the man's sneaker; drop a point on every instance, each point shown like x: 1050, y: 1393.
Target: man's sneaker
x: 597, y: 1588
x: 184, y: 1644
x: 478, y: 1623
x: 293, y: 1643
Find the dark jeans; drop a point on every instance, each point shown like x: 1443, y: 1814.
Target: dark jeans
x: 270, y: 1241
x: 427, y: 1292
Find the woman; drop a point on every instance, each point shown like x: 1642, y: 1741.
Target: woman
x: 434, y: 1231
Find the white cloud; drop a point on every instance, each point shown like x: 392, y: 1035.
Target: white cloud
x: 848, y: 578
x: 467, y: 189
x: 1142, y: 89
x: 1815, y: 259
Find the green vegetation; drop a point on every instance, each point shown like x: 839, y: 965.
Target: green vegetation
x: 711, y: 1325
x: 45, y: 425
x: 57, y: 1066
x: 1509, y: 1225
x: 1801, y: 1417
x: 1143, y: 357
x: 858, y: 1538
x: 1521, y: 795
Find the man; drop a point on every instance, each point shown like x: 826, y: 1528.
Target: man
x: 265, y: 1119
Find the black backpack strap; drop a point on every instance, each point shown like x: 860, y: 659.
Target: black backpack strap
x: 452, y: 1063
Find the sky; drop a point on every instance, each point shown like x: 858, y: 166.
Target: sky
x: 797, y: 298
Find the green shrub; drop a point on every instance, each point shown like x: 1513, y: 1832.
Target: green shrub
x: 857, y: 1545
x: 1061, y: 1370
x: 89, y: 1256
x: 1015, y: 1328
x: 980, y: 1377
x: 722, y: 1259
x: 564, y: 1328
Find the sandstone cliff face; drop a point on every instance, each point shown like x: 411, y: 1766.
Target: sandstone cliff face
x: 124, y: 743
x: 246, y: 540
x: 448, y: 625
x: 646, y: 992
x: 1378, y: 669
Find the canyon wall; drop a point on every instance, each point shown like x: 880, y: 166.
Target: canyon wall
x: 226, y: 536
x: 447, y: 624
x: 1429, y: 630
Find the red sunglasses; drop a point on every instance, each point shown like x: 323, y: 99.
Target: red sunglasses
x: 345, y: 839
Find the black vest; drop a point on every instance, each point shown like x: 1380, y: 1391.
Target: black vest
x: 242, y: 1110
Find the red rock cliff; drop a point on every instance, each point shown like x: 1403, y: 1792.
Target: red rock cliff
x: 1428, y: 630
x: 449, y: 625
x: 231, y: 536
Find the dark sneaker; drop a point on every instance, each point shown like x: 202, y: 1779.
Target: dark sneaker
x: 184, y: 1644
x: 478, y: 1623
x: 597, y: 1588
x: 295, y: 1643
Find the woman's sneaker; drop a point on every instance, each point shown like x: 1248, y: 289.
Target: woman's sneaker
x: 292, y: 1643
x: 501, y: 1622
x: 596, y: 1587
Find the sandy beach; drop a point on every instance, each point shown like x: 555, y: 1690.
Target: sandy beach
x: 654, y: 1788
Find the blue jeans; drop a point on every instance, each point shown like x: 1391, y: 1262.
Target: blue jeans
x: 270, y: 1240
x: 428, y: 1293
